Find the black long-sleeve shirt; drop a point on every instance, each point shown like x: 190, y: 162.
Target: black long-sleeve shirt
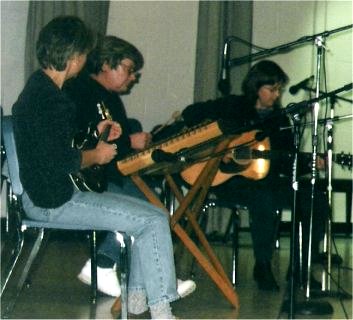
x: 44, y: 127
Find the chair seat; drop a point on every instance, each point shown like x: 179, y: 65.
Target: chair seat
x: 56, y: 225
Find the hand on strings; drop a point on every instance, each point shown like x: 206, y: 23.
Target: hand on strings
x: 115, y: 129
x: 140, y: 140
x: 105, y: 152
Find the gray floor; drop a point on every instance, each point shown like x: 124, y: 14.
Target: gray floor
x: 54, y: 292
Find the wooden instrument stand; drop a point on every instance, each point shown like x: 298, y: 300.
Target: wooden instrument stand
x: 190, y: 205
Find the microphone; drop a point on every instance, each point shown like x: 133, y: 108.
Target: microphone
x: 159, y: 155
x: 224, y: 83
x: 300, y: 85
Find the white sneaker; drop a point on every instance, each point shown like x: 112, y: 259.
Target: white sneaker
x: 107, y: 280
x: 185, y: 288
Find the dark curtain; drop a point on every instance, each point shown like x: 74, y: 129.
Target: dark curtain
x: 217, y: 21
x: 93, y: 13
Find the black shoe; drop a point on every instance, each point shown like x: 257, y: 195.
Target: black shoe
x: 264, y: 277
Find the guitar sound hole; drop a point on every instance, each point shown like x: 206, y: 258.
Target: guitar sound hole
x: 242, y: 156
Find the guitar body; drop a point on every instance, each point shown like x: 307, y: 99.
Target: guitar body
x: 90, y: 179
x: 243, y: 162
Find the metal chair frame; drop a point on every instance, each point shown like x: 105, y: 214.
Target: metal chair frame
x: 234, y: 224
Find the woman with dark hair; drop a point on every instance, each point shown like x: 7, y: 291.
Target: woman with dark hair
x: 262, y: 88
x: 45, y: 127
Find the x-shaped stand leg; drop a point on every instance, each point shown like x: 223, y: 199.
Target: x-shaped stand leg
x: 195, y: 196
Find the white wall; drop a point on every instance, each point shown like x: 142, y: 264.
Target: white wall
x: 13, y: 27
x: 165, y: 32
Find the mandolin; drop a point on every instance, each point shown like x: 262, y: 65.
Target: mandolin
x: 93, y: 178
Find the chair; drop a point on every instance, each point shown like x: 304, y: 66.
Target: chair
x: 233, y: 226
x: 23, y: 224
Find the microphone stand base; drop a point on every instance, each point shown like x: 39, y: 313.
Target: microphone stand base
x: 309, y: 307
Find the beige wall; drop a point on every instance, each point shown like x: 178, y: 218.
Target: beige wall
x: 291, y: 20
x: 13, y: 26
x: 165, y: 32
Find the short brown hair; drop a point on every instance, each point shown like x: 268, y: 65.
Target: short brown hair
x: 60, y: 39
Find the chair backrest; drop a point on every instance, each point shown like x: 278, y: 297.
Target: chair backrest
x: 11, y: 155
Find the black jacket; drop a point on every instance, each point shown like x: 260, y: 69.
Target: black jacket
x: 44, y: 127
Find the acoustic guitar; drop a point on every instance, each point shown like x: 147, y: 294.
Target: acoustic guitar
x: 93, y: 178
x: 250, y: 157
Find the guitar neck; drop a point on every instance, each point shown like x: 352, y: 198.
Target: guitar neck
x: 105, y: 134
x: 345, y: 160
x: 105, y: 114
x: 246, y: 153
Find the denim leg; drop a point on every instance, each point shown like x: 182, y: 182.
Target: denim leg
x: 109, y: 246
x: 128, y: 187
x: 152, y: 262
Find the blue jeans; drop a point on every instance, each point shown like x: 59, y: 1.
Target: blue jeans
x: 152, y: 263
x: 110, y: 247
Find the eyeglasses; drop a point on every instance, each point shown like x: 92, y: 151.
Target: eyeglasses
x: 274, y: 88
x: 129, y: 69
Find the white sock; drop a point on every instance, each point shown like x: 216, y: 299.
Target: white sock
x: 161, y: 310
x: 137, y: 302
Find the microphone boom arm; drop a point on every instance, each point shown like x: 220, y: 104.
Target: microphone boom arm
x: 294, y: 107
x: 282, y: 48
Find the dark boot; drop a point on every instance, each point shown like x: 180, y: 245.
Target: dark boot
x: 264, y: 277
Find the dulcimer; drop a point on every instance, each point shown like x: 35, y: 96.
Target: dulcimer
x: 144, y: 162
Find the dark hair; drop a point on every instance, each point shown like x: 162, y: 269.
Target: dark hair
x: 265, y: 72
x: 60, y: 39
x: 112, y: 50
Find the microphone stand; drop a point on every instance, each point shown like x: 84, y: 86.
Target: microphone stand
x: 326, y: 283
x: 294, y: 239
x: 283, y: 48
x: 326, y: 275
x: 310, y: 306
x: 315, y: 115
